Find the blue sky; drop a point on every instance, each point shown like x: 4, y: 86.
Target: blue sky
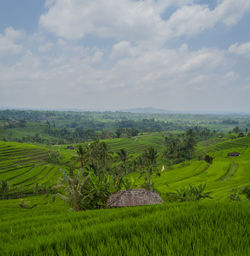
x: 185, y: 55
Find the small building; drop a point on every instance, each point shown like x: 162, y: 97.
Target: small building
x: 70, y: 147
x: 241, y: 134
x: 134, y: 197
x: 233, y: 154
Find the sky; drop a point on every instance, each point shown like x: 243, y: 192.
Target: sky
x: 182, y: 55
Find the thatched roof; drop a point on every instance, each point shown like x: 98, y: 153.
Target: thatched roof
x: 70, y: 147
x: 233, y: 154
x: 134, y: 197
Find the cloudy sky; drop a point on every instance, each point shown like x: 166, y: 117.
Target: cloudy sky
x: 188, y: 55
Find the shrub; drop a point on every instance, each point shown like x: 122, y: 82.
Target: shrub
x: 87, y: 190
x: 246, y: 191
x: 235, y: 194
x: 26, y: 204
x: 208, y: 159
x: 191, y: 193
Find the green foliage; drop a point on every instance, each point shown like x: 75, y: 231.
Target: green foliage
x: 97, y: 156
x: 129, y: 183
x: 26, y: 204
x: 54, y: 157
x: 74, y: 190
x: 148, y: 162
x: 89, y: 190
x: 4, y: 188
x: 180, y: 148
x: 236, y: 129
x: 80, y: 153
x: 208, y: 159
x: 150, y: 156
x: 235, y: 194
x: 192, y: 193
x: 169, y: 229
x: 27, y: 168
x: 123, y: 155
x: 246, y: 191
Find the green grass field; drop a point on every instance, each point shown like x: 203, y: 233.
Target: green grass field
x: 210, y: 227
x: 205, y: 228
x: 24, y: 166
x: 136, y: 145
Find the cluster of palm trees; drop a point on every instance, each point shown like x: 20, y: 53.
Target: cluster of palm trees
x: 102, y: 173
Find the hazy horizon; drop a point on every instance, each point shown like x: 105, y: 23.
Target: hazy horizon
x: 146, y: 110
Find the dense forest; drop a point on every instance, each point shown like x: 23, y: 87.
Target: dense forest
x: 62, y: 127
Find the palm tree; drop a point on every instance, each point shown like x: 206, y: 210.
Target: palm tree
x: 80, y: 152
x: 74, y: 190
x: 123, y: 155
x: 4, y: 187
x: 150, y: 155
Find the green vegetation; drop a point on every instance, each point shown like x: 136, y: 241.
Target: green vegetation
x: 205, y: 228
x: 184, y: 162
x: 24, y: 168
x: 62, y: 127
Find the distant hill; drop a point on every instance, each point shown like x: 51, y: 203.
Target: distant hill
x: 147, y: 110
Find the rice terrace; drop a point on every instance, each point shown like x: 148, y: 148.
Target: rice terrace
x: 124, y: 128
x: 56, y: 193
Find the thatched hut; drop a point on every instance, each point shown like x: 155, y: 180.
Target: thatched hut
x: 70, y: 147
x: 134, y: 197
x: 233, y: 154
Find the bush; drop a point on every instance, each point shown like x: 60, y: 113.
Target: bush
x: 235, y: 194
x: 246, y: 192
x: 208, y: 159
x: 87, y: 190
x: 190, y: 193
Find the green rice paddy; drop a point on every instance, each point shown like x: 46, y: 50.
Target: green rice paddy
x: 210, y: 227
x: 24, y: 166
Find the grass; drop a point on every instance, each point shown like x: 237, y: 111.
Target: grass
x: 137, y: 145
x: 223, y: 175
x: 169, y: 229
x: 209, y: 227
x: 24, y: 166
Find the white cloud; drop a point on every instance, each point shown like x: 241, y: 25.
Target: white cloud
x: 192, y: 19
x: 137, y: 20
x: 138, y: 68
x: 177, y: 78
x: 231, y: 11
x: 8, y: 42
x: 121, y: 49
x: 240, y: 49
x: 203, y: 59
x: 133, y: 20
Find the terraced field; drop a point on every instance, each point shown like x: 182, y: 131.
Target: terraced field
x: 23, y: 166
x: 137, y: 145
x: 224, y: 174
x: 210, y: 227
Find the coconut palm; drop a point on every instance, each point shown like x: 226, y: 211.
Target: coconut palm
x: 123, y: 155
x: 80, y: 152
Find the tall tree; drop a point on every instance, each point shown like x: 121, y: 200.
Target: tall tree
x: 80, y: 152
